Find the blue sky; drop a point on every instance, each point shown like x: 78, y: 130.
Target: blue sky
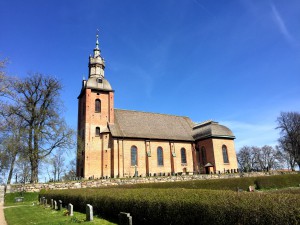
x: 236, y: 62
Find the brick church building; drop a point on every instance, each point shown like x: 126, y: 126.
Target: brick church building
x: 123, y: 143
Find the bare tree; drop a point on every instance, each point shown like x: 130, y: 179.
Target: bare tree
x: 255, y: 158
x: 289, y: 125
x: 23, y: 170
x: 71, y: 171
x: 58, y: 166
x: 269, y: 158
x: 36, y: 101
x: 247, y: 158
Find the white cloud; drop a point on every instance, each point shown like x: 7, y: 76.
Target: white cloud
x: 281, y: 25
x: 251, y: 134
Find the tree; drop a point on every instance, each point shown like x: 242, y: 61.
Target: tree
x: 289, y: 126
x: 269, y: 158
x: 255, y: 158
x: 13, y: 141
x: 36, y: 101
x: 58, y: 166
x: 247, y: 158
x: 71, y: 171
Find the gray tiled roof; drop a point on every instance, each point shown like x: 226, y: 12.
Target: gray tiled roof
x: 211, y: 129
x: 135, y: 124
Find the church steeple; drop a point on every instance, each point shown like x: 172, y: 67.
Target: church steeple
x: 96, y: 62
x: 96, y: 49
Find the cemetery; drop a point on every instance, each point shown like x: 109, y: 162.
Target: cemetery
x: 192, y: 201
x: 246, y: 200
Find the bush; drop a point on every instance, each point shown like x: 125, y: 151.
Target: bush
x: 267, y: 182
x: 185, y: 206
x: 279, y: 181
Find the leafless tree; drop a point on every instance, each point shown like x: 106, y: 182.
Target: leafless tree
x: 269, y: 158
x: 254, y: 158
x: 289, y: 126
x: 57, y: 163
x: 71, y: 171
x: 36, y: 101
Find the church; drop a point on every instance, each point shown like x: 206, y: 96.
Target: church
x: 124, y: 143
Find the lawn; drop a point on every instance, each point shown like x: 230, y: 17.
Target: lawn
x: 29, y: 212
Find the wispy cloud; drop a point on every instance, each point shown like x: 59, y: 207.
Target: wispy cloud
x: 281, y: 25
x: 252, y: 134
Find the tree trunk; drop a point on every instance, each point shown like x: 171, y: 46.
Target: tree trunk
x: 11, y: 168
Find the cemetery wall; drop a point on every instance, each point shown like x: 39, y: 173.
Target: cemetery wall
x: 113, y: 182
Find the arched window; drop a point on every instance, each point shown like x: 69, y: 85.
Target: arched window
x: 97, y: 131
x: 133, y: 155
x: 203, y: 155
x: 160, y: 158
x: 198, y: 155
x: 97, y: 105
x: 225, y: 154
x: 183, y: 155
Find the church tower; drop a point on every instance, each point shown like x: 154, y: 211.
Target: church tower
x: 95, y: 112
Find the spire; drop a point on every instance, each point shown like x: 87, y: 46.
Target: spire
x: 97, y: 50
x: 96, y: 62
x: 97, y: 42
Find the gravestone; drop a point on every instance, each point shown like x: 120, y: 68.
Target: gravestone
x: 251, y: 188
x: 59, y: 204
x: 125, y: 218
x: 19, y: 199
x: 70, y: 209
x: 55, y: 205
x: 89, y: 212
x: 45, y: 202
x: 51, y: 203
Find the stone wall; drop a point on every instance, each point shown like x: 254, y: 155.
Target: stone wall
x: 114, y: 182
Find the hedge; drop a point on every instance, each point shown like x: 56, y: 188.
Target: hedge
x: 185, y: 206
x: 266, y: 182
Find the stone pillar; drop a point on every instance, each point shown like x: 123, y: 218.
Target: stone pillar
x: 55, y: 205
x: 51, y: 203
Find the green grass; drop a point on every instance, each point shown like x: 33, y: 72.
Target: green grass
x: 38, y: 215
x: 23, y: 213
x: 29, y: 198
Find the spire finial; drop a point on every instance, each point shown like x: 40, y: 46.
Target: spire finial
x: 97, y: 42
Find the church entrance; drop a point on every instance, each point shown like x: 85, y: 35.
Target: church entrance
x: 209, y: 168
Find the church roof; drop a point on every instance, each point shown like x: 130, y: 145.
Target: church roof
x: 98, y: 84
x: 135, y: 124
x: 210, y: 129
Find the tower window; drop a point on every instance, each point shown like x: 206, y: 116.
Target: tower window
x: 183, y: 155
x: 160, y: 158
x: 97, y: 131
x: 133, y: 155
x: 97, y: 105
x: 225, y: 154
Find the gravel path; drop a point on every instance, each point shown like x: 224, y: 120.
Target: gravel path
x: 2, y: 218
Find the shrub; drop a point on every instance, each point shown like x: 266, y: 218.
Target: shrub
x: 186, y: 206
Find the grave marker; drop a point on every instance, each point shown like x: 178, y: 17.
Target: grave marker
x: 55, y: 205
x: 70, y: 209
x: 89, y: 212
x: 59, y: 204
x: 125, y: 218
